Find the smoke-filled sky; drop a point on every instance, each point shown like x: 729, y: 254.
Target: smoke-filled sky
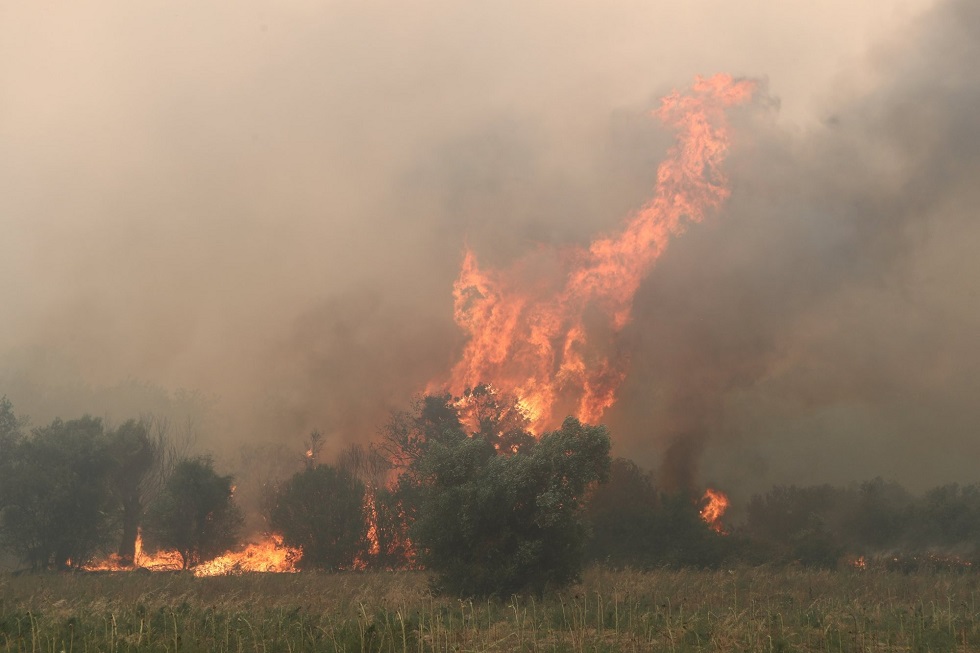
x: 266, y: 203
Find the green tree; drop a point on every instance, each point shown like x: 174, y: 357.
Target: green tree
x: 622, y: 513
x: 634, y: 524
x: 499, y: 512
x: 320, y: 509
x: 56, y: 505
x: 10, y: 426
x: 800, y: 524
x: 11, y: 434
x: 136, y: 459
x: 195, y: 513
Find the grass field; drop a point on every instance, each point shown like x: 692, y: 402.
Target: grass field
x: 741, y: 610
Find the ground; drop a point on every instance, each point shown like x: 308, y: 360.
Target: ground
x: 729, y: 610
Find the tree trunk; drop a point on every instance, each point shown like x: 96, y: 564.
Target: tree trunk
x: 130, y: 530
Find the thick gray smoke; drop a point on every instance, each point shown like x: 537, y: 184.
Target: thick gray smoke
x: 823, y: 328
x: 266, y: 204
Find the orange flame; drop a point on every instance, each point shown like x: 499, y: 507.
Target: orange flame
x: 270, y: 554
x: 715, y: 504
x: 158, y: 561
x: 370, y: 509
x: 530, y: 337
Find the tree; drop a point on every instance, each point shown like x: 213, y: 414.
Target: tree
x: 56, y: 505
x: 622, y: 513
x: 320, y: 509
x: 10, y: 436
x: 195, y: 513
x: 803, y: 524
x: 497, y: 512
x: 389, y: 546
x: 634, y: 524
x: 137, y: 461
x: 10, y: 425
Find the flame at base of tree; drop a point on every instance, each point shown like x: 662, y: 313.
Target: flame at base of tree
x: 388, y: 545
x: 267, y: 555
x: 270, y: 555
x: 715, y: 504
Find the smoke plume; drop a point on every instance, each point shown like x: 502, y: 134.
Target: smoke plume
x: 267, y: 205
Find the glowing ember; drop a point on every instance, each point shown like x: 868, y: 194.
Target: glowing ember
x: 715, y: 504
x: 530, y: 336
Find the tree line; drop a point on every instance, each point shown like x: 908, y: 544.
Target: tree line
x: 457, y: 485
x: 72, y: 490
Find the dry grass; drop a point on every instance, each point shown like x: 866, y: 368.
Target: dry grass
x: 742, y: 610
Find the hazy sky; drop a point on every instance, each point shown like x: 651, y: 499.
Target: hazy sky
x: 267, y: 202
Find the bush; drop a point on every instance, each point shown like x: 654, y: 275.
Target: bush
x: 320, y: 509
x: 497, y: 523
x: 195, y: 513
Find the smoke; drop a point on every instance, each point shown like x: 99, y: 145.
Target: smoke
x: 267, y: 204
x: 817, y: 331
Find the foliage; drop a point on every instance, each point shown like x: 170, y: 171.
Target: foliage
x: 56, y: 505
x: 320, y: 509
x: 633, y: 524
x: 496, y: 511
x: 803, y: 523
x: 392, y: 521
x: 10, y: 425
x: 138, y: 466
x: 195, y: 513
x: 11, y: 434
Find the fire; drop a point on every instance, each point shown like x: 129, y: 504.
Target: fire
x: 158, y: 561
x: 370, y: 509
x: 715, y: 504
x: 270, y: 554
x: 532, y: 338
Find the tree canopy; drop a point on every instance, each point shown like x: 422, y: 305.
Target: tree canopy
x: 195, y: 513
x: 56, y: 505
x: 496, y: 510
x: 321, y: 510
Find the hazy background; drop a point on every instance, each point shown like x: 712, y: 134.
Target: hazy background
x: 252, y: 213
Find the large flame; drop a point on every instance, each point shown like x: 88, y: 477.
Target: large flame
x: 715, y: 504
x: 269, y: 554
x: 542, y: 341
